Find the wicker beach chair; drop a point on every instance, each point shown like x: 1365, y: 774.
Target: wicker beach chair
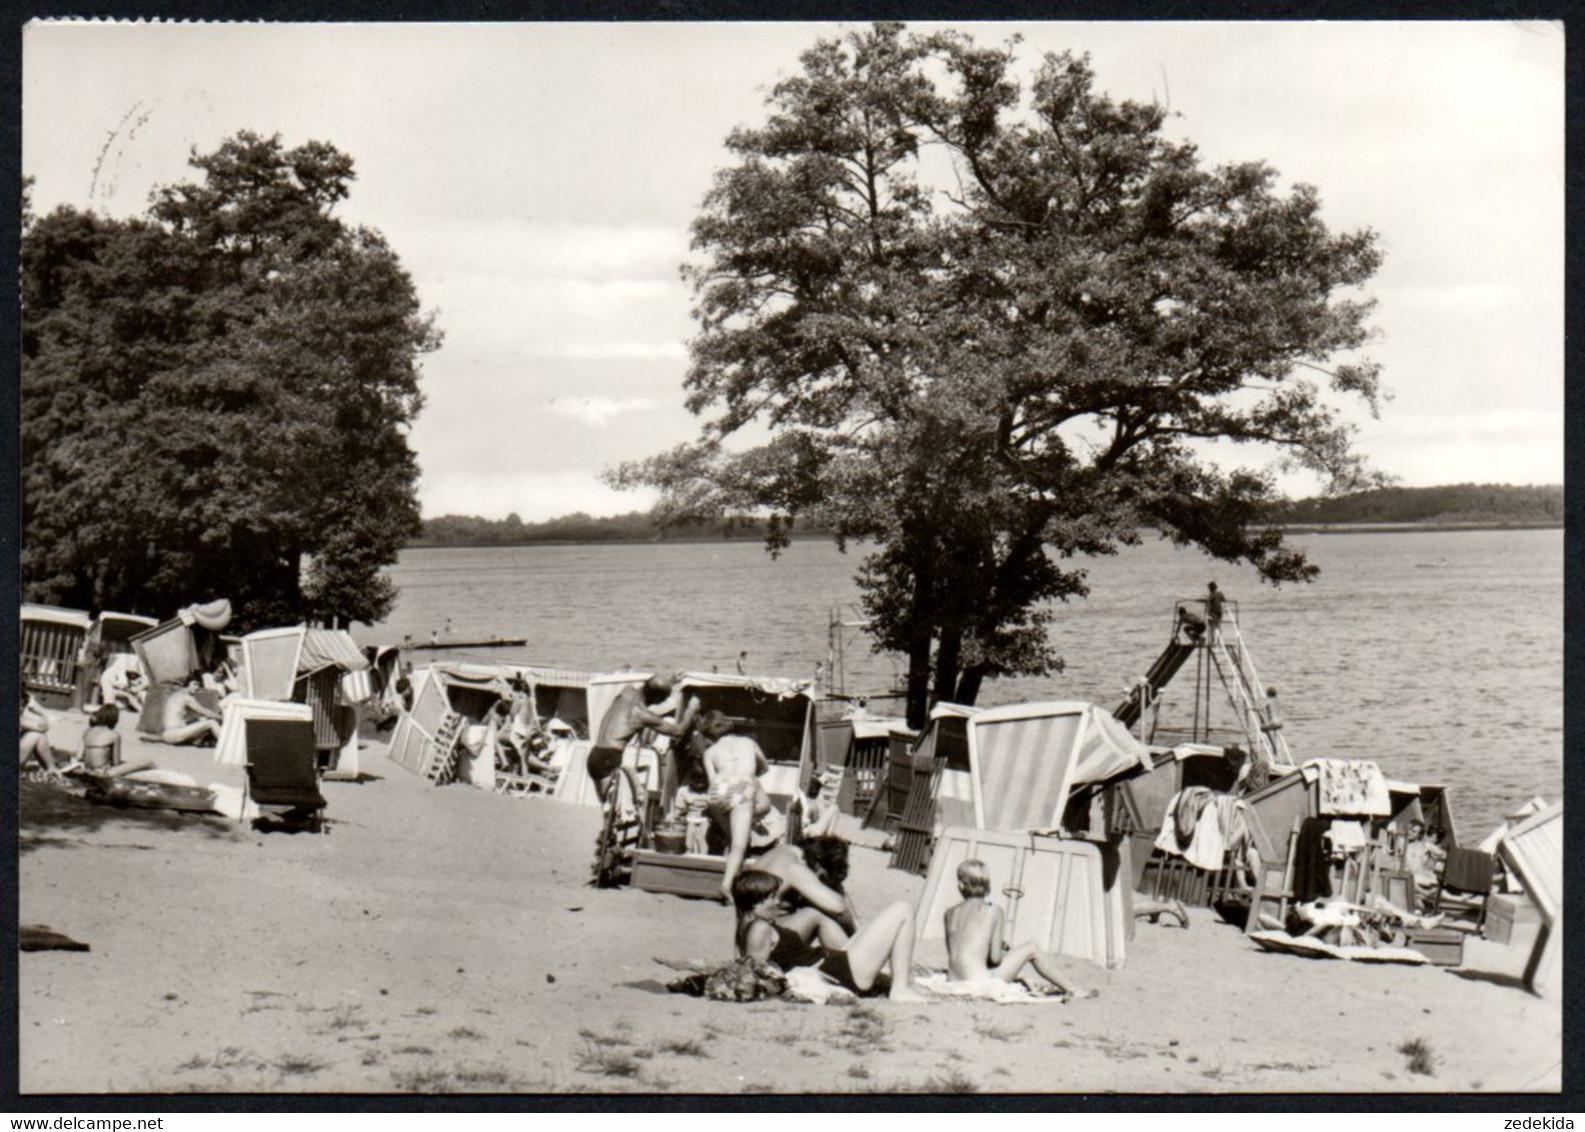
x: 283, y: 773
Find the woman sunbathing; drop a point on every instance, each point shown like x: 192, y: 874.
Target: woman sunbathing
x: 101, y: 745
x: 808, y: 938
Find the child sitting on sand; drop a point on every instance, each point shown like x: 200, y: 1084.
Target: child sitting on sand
x: 975, y: 948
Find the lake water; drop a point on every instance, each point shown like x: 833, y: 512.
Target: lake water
x: 1437, y: 654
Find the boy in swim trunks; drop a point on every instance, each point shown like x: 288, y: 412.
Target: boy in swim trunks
x: 975, y: 948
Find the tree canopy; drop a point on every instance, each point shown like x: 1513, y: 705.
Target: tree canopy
x: 991, y: 326
x: 216, y: 392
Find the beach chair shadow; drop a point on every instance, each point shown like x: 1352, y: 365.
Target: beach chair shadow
x: 283, y: 774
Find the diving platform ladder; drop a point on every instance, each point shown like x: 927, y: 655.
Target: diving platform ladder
x: 1235, y: 667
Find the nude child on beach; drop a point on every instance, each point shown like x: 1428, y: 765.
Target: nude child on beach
x: 975, y: 948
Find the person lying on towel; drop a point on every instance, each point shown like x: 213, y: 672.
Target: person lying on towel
x: 976, y: 950
x: 186, y: 720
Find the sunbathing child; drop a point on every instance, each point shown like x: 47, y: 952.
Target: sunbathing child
x: 975, y: 948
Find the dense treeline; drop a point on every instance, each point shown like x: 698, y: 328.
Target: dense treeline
x: 1495, y: 504
x: 1489, y: 504
x: 216, y: 396
x: 635, y: 526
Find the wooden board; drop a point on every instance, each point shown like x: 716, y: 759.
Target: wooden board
x: 679, y: 874
x: 1273, y: 810
x: 1442, y: 947
x: 916, y: 829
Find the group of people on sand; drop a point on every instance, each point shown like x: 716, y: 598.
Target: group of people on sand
x: 792, y: 908
x: 98, y: 751
x: 185, y: 718
x: 793, y: 912
x: 719, y: 772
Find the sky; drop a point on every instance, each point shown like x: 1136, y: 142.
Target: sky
x: 538, y: 181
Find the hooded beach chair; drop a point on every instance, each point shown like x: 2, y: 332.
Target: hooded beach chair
x: 269, y: 662
x: 283, y: 770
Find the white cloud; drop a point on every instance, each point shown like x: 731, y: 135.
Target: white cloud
x: 596, y: 411
x: 534, y: 496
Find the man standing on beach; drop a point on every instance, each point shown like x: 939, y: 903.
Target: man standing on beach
x: 631, y: 712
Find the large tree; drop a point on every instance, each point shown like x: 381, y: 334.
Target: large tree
x: 216, y: 393
x: 987, y: 329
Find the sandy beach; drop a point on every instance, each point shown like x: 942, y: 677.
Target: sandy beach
x: 445, y: 940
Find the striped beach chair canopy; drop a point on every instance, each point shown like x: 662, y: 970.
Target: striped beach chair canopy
x: 270, y: 662
x: 1533, y: 850
x: 336, y: 647
x: 1025, y: 760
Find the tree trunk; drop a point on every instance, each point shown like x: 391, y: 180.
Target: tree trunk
x: 919, y: 638
x: 948, y: 656
x: 919, y: 684
x: 969, y: 686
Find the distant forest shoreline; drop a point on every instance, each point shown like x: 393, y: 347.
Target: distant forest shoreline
x: 1456, y: 507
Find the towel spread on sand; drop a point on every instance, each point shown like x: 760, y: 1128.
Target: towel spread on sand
x: 1318, y: 949
x: 808, y: 984
x: 231, y: 802
x: 996, y: 991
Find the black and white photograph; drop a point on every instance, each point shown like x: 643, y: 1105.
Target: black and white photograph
x: 783, y: 558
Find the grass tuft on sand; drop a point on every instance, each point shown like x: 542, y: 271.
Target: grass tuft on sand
x: 427, y: 1080
x: 296, y: 1065
x: 601, y: 1061
x: 605, y: 1041
x: 1419, y: 1057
